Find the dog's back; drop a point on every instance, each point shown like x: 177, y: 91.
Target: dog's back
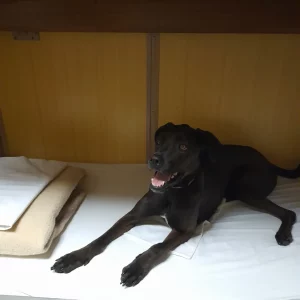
x: 250, y: 170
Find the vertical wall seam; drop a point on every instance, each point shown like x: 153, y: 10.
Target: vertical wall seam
x: 153, y: 51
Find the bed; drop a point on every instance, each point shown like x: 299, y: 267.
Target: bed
x: 237, y: 258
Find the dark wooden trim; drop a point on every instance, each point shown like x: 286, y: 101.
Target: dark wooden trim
x: 203, y: 16
x: 3, y: 144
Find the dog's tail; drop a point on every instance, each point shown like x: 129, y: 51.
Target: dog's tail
x: 292, y: 174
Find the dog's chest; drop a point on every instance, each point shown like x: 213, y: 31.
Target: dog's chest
x: 180, y: 214
x: 165, y: 218
x: 181, y: 221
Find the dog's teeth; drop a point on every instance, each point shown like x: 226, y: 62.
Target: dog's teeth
x: 175, y: 174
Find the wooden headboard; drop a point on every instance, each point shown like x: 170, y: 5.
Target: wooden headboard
x: 181, y: 16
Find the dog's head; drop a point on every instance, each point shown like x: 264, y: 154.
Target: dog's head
x: 178, y: 153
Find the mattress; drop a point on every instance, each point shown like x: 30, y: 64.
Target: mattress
x: 236, y: 258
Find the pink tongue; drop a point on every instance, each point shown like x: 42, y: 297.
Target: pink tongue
x: 159, y: 179
x: 160, y: 176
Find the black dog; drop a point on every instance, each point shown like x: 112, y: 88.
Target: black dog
x: 193, y: 172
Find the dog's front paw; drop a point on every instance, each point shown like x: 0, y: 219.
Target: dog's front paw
x: 133, y: 273
x: 283, y: 238
x: 70, y: 262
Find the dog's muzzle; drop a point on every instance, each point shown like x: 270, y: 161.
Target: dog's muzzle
x: 155, y: 162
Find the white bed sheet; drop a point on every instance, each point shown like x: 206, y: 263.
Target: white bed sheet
x: 237, y: 258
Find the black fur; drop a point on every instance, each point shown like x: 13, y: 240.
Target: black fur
x: 198, y: 172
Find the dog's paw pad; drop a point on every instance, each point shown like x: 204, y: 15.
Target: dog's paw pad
x: 68, y: 263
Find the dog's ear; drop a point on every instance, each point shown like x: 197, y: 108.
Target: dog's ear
x: 206, y: 138
x: 206, y: 142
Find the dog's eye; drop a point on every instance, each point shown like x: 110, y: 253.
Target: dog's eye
x: 183, y: 147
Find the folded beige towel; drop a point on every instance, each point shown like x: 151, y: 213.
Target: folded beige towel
x: 46, y: 217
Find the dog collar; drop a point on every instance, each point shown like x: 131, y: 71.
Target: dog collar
x: 189, y: 183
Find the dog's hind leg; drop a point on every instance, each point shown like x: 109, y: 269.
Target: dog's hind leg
x: 287, y: 217
x: 253, y: 188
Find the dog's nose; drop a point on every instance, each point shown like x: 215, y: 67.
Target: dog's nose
x: 155, y: 161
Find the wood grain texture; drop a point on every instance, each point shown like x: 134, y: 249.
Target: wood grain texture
x: 244, y: 88
x: 205, y: 16
x: 75, y: 97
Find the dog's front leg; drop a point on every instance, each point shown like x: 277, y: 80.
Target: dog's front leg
x: 83, y: 256
x: 143, y: 263
x: 151, y: 204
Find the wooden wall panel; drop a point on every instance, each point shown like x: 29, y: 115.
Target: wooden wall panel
x: 75, y: 96
x: 244, y: 88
